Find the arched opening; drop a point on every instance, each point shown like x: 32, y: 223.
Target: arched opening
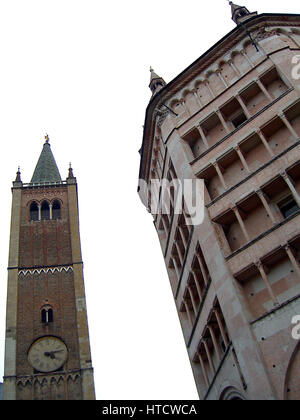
x: 46, y: 314
x: 56, y: 210
x: 45, y: 211
x: 34, y: 211
x: 230, y: 393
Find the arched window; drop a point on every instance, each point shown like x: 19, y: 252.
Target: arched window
x: 34, y: 211
x: 47, y: 314
x: 56, y: 211
x: 45, y: 211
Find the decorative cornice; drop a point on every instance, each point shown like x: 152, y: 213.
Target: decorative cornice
x: 45, y: 270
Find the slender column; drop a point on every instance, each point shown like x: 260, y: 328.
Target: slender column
x: 203, y: 369
x: 265, y: 203
x: 50, y: 211
x: 242, y: 159
x: 264, y: 276
x: 182, y: 101
x: 243, y: 52
x: 206, y: 82
x: 203, y: 136
x: 188, y: 312
x: 197, y: 98
x: 238, y: 73
x: 209, y: 356
x: 202, y: 268
x: 220, y: 175
x: 288, y: 125
x: 215, y: 343
x: 264, y: 90
x: 182, y: 236
x: 222, y: 78
x: 193, y: 300
x: 265, y: 142
x: 292, y: 258
x: 220, y: 115
x: 164, y: 224
x: 291, y: 187
x: 222, y: 330
x: 176, y: 267
x: 243, y: 106
x: 179, y: 252
x: 241, y: 223
x: 197, y: 284
x: 40, y: 211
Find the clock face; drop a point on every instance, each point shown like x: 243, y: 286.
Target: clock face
x: 47, y: 354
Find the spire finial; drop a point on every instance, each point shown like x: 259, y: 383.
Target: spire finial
x: 47, y: 138
x: 18, y: 176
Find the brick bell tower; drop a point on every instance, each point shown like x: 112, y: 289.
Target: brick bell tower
x: 47, y: 349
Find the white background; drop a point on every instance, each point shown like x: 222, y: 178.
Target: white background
x: 79, y: 71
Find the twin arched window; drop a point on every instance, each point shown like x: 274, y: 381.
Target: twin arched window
x: 47, y: 314
x: 45, y: 211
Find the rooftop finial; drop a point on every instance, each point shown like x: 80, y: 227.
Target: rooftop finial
x: 240, y: 14
x: 47, y: 138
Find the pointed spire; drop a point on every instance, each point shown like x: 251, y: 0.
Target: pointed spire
x: 18, y: 175
x: 71, y: 178
x: 18, y: 182
x: 46, y: 169
x: 240, y: 14
x: 156, y: 82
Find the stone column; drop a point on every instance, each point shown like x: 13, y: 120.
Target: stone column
x: 241, y: 102
x: 220, y: 175
x: 264, y: 90
x: 215, y: 343
x: 206, y: 82
x: 220, y: 115
x: 176, y: 267
x: 211, y: 364
x: 202, y: 268
x: 193, y: 300
x: 220, y: 325
x: 243, y: 52
x: 218, y: 72
x: 181, y: 257
x: 197, y: 284
x: 242, y: 159
x: 203, y: 136
x: 264, y: 276
x: 236, y: 70
x: 288, y: 125
x: 188, y: 312
x: 180, y: 228
x: 292, y: 258
x: 265, y: 142
x: 197, y: 98
x: 265, y: 203
x: 203, y: 369
x: 241, y: 223
x: 293, y: 190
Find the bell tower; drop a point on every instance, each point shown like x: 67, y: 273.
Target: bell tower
x: 47, y: 349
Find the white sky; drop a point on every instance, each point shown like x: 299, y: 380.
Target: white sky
x: 79, y: 71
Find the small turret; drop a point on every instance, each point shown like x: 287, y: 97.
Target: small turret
x: 240, y: 14
x: 156, y: 82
